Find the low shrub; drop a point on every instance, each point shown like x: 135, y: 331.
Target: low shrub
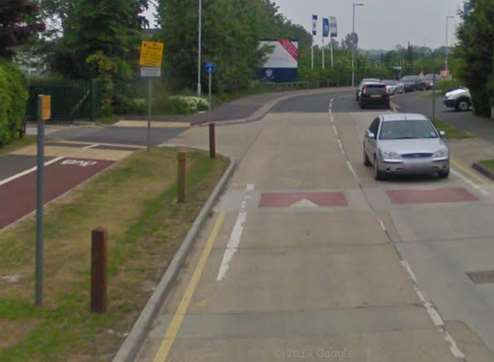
x: 446, y: 85
x: 186, y: 104
x: 13, y: 100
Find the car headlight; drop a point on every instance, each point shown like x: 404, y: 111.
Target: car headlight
x: 441, y: 154
x: 390, y: 155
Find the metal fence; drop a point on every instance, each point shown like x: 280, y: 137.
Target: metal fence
x: 70, y: 100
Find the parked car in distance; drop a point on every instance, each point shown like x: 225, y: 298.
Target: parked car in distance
x: 429, y: 80
x: 364, y: 81
x: 460, y: 99
x: 405, y: 144
x: 393, y: 86
x: 374, y: 94
x: 413, y: 83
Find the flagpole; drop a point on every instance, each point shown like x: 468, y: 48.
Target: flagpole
x: 323, y: 57
x: 332, y: 56
x: 312, y: 54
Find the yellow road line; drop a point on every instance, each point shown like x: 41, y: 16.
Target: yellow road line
x: 466, y: 170
x: 178, y: 317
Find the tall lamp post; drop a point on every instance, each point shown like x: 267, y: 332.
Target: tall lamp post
x: 353, y: 48
x: 446, y: 65
x: 199, y: 52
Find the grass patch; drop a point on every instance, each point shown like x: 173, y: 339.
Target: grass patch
x: 451, y: 131
x: 19, y: 143
x: 429, y: 94
x: 489, y: 164
x: 135, y: 201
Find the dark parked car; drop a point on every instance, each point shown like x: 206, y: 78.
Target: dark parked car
x: 374, y: 94
x: 429, y: 80
x: 413, y: 83
x: 362, y: 83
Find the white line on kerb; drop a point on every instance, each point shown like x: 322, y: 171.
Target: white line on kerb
x: 236, y: 235
x: 32, y: 169
x: 470, y: 182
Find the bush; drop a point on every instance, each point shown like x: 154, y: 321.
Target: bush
x: 446, y: 85
x: 186, y: 104
x: 13, y: 100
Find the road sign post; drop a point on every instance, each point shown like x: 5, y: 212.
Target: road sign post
x: 210, y: 69
x: 43, y: 114
x: 434, y: 96
x: 150, y: 60
x: 150, y: 112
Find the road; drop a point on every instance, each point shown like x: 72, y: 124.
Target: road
x: 422, y: 103
x: 308, y: 258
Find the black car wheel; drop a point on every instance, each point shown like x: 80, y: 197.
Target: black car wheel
x: 444, y: 174
x: 367, y: 162
x: 463, y: 105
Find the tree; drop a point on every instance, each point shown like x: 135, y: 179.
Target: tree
x: 19, y: 22
x: 111, y: 27
x: 232, y: 31
x: 476, y: 51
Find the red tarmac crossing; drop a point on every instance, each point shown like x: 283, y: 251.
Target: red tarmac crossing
x: 18, y: 197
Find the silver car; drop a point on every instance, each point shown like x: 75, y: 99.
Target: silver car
x: 405, y: 144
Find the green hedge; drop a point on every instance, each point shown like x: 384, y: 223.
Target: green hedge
x: 13, y: 99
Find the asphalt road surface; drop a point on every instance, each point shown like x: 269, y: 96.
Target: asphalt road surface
x: 419, y: 102
x: 308, y: 258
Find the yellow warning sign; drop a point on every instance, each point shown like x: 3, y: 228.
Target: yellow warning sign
x: 151, y: 53
x: 45, y: 108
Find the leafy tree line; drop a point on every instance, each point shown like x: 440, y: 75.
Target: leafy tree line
x: 87, y: 39
x: 232, y: 30
x: 373, y: 64
x: 19, y: 21
x: 476, y: 52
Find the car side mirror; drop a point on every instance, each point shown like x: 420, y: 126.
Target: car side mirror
x: 371, y: 135
x: 442, y: 133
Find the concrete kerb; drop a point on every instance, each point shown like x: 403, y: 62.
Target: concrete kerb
x: 133, y: 343
x: 265, y: 109
x: 483, y: 170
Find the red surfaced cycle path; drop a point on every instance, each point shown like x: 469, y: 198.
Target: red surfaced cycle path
x: 18, y: 197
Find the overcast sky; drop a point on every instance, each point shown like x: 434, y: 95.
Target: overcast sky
x: 381, y: 24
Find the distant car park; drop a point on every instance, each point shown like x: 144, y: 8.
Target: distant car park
x: 393, y: 86
x: 374, y: 94
x: 413, y: 83
x: 362, y: 83
x: 429, y: 80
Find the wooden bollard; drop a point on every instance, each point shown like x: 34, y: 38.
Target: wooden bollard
x: 181, y: 176
x: 212, y: 141
x: 98, y: 270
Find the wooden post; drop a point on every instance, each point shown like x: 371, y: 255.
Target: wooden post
x: 212, y: 140
x: 98, y: 270
x: 182, y: 176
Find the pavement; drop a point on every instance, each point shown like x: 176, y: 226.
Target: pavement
x: 419, y: 102
x: 77, y: 152
x: 307, y: 257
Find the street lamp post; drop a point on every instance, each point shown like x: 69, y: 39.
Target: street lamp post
x: 353, y: 47
x: 446, y: 65
x: 199, y: 52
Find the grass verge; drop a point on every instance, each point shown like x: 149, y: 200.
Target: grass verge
x: 488, y: 164
x: 452, y: 132
x: 135, y: 201
x: 19, y: 143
